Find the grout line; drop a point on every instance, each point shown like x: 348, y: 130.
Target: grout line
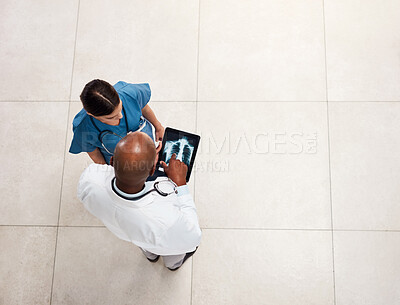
x: 59, y: 203
x: 31, y: 226
x: 298, y: 101
x: 243, y: 229
x: 329, y: 158
x: 191, y: 282
x: 195, y: 123
x: 65, y: 149
x: 305, y: 230
x: 198, y: 55
x: 52, y: 226
x: 282, y: 229
x: 33, y: 101
x: 268, y: 229
x: 266, y: 101
x: 316, y: 230
x: 273, y: 101
x: 355, y: 230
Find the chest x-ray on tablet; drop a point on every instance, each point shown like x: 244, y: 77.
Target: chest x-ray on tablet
x: 182, y: 148
x: 181, y: 143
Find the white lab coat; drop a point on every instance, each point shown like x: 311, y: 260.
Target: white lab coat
x: 160, y: 225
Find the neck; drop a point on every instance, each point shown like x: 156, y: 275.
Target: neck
x: 129, y: 188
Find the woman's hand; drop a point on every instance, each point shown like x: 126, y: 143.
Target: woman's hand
x: 151, y: 117
x: 159, y: 136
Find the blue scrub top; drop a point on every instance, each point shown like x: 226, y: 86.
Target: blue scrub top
x: 86, y: 137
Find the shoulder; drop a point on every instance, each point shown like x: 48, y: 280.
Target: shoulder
x: 93, y: 180
x: 80, y: 119
x: 95, y: 175
x: 132, y: 89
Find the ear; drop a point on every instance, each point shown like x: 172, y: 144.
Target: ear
x: 153, y: 170
x: 112, y: 161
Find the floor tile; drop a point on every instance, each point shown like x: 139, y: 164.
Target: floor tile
x: 263, y: 267
x: 37, y: 55
x: 172, y: 114
x: 95, y: 267
x: 367, y: 268
x: 176, y: 115
x: 363, y: 45
x: 141, y: 42
x: 72, y: 212
x: 263, y: 165
x: 261, y: 50
x: 26, y: 264
x: 34, y: 140
x: 365, y: 165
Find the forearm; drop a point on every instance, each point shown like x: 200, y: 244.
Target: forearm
x: 97, y: 157
x: 150, y: 116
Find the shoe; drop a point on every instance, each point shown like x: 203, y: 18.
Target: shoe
x: 153, y: 260
x: 189, y: 254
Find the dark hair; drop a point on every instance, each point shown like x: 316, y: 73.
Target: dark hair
x: 99, y: 98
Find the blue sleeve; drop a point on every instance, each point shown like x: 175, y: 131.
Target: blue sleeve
x: 83, y: 141
x: 143, y: 94
x: 140, y: 92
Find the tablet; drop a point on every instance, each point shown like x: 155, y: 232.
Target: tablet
x: 183, y: 144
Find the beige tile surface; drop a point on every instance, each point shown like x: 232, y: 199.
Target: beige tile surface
x: 95, y: 267
x: 263, y: 267
x: 72, y: 212
x: 261, y: 50
x: 362, y: 46
x: 148, y: 41
x: 33, y: 140
x: 172, y: 114
x: 365, y: 165
x: 37, y: 50
x: 263, y: 165
x: 26, y: 264
x: 367, y: 267
x: 176, y: 115
x: 261, y: 181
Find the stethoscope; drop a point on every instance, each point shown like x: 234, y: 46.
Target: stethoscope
x: 157, y: 187
x: 102, y: 134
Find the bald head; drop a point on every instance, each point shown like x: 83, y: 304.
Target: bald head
x: 134, y: 158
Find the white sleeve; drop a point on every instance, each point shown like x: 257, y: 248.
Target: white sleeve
x: 93, y: 174
x: 86, y: 181
x: 184, y: 236
x: 83, y: 186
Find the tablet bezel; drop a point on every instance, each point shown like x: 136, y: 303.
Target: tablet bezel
x: 181, y: 134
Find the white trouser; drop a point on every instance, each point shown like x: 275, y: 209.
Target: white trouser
x: 170, y: 261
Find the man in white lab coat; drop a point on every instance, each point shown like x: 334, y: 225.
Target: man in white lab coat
x: 158, y: 216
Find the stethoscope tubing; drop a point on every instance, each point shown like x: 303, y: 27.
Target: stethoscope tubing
x: 154, y: 189
x: 102, y: 133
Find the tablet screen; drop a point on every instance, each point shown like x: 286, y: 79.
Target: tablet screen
x: 181, y: 143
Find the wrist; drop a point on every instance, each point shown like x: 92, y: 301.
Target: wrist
x: 179, y: 182
x: 157, y: 125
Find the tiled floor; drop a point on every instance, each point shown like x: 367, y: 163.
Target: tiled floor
x: 297, y: 178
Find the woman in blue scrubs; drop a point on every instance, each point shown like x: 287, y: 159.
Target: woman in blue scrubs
x: 109, y: 113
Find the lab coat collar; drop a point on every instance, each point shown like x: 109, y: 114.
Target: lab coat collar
x: 126, y: 202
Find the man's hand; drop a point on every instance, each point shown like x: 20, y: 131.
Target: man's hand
x: 176, y: 170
